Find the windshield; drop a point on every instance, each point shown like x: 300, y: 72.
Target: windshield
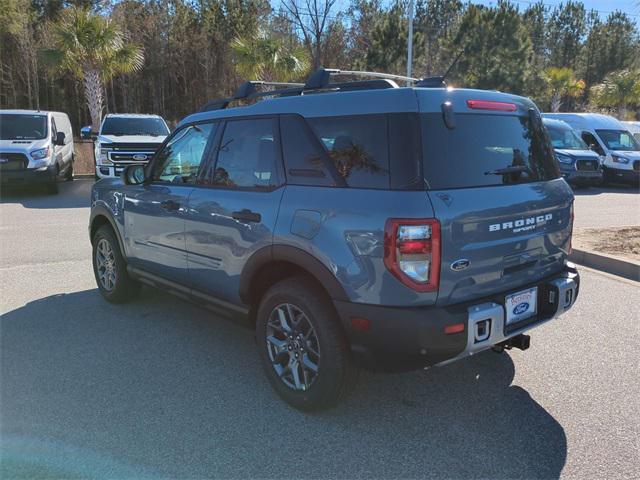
x: 134, y: 126
x: 484, y: 150
x: 565, y: 139
x: 22, y: 127
x: 619, y: 140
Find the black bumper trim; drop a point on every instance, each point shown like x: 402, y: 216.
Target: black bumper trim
x: 405, y: 339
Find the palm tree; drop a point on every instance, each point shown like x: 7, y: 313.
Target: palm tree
x: 619, y: 90
x: 93, y: 49
x: 262, y: 58
x: 562, y: 83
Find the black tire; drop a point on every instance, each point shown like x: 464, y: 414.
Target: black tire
x: 122, y: 288
x: 68, y: 176
x: 336, y: 372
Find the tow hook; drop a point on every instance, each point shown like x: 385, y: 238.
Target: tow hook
x: 521, y: 342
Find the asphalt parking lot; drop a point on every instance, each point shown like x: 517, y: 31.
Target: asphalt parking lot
x: 160, y: 388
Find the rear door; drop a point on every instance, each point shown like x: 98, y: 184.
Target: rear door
x: 155, y: 212
x: 233, y: 212
x: 500, y: 228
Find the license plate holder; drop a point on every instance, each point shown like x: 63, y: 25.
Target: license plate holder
x: 521, y: 305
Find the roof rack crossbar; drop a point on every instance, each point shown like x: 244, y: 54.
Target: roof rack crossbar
x: 318, y: 80
x: 321, y: 78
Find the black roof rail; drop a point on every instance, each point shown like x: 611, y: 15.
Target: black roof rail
x: 249, y: 90
x: 317, y: 81
x: 321, y: 78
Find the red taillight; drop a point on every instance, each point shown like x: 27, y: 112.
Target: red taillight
x: 489, y: 105
x: 412, y: 252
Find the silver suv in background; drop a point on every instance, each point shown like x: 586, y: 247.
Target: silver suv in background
x: 125, y: 139
x: 36, y: 147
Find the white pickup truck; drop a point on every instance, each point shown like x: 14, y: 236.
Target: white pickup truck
x: 125, y: 139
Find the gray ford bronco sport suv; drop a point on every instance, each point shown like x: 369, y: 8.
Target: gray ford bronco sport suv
x: 351, y: 223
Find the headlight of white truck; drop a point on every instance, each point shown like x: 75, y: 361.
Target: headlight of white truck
x: 103, y: 156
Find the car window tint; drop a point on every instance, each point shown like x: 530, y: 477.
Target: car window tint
x: 180, y: 159
x: 303, y: 157
x: 247, y: 155
x: 480, y: 147
x: 358, y: 148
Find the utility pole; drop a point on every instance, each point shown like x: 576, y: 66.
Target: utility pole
x: 410, y: 41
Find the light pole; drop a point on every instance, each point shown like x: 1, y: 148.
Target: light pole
x: 410, y: 40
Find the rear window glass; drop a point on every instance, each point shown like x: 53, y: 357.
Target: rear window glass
x: 358, y: 148
x: 479, y: 149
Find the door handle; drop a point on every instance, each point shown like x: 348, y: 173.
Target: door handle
x: 170, y: 206
x: 246, y: 215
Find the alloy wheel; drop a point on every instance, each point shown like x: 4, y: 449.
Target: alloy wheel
x: 293, y: 348
x: 106, y: 264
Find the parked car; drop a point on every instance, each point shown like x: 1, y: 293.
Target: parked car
x: 618, y: 149
x: 634, y: 128
x: 578, y: 165
x: 352, y: 223
x: 125, y: 139
x: 36, y: 147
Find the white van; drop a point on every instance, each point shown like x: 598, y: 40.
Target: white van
x: 618, y: 149
x: 35, y: 147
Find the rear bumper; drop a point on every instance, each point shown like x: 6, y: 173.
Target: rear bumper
x: 404, y: 339
x: 28, y: 176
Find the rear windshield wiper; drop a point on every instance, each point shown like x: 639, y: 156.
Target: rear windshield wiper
x: 508, y: 170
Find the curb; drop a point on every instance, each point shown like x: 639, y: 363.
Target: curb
x: 607, y: 263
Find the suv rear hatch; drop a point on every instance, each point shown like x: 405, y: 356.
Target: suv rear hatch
x: 494, y: 185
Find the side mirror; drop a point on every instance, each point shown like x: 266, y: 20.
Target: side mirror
x: 133, y: 175
x: 60, y: 138
x: 86, y: 133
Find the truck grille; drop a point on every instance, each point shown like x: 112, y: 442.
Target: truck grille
x: 13, y: 161
x: 126, y: 153
x: 587, y: 165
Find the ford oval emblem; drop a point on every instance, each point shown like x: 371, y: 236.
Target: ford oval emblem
x: 460, y: 264
x: 521, y: 308
x: 139, y: 157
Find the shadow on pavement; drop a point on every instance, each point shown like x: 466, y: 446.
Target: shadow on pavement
x: 158, y: 387
x: 76, y: 194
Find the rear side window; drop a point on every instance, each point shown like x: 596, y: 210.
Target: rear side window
x: 247, y: 155
x: 474, y: 152
x: 305, y: 162
x: 358, y: 148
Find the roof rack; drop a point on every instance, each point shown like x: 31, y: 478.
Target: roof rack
x: 318, y: 81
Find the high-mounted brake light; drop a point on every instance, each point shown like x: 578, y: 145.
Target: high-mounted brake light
x: 489, y: 105
x: 412, y: 252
